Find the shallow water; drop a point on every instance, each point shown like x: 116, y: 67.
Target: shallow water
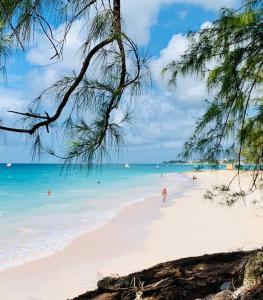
x: 33, y: 225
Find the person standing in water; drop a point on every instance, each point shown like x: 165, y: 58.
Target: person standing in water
x: 49, y: 193
x: 164, y: 194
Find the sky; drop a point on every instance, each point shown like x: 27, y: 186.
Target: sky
x: 163, y: 118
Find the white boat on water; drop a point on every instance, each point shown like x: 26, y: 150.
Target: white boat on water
x: 157, y: 167
x: 9, y: 165
x: 127, y: 166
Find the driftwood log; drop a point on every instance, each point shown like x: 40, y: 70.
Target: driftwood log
x: 207, y: 277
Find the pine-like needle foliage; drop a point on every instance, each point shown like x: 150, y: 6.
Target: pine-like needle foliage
x: 111, y: 71
x: 229, y: 56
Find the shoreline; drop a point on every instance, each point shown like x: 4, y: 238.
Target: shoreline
x: 43, y: 267
x: 65, y: 228
x: 141, y: 235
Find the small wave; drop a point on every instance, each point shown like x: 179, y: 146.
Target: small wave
x: 25, y: 230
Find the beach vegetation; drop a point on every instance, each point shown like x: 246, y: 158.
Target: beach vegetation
x: 253, y: 274
x: 228, y: 55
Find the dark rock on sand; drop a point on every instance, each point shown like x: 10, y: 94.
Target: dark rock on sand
x: 208, y: 277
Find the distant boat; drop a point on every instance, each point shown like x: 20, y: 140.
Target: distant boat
x: 9, y: 165
x: 157, y: 167
x: 127, y: 166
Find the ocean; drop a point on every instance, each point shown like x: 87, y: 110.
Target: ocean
x: 34, y: 224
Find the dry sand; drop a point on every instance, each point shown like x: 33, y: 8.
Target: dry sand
x: 142, y: 235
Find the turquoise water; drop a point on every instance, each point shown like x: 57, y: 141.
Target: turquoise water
x: 33, y: 224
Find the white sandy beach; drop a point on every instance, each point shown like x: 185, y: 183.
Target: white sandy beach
x: 142, y: 235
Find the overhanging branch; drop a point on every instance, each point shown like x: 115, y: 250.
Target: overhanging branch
x: 67, y: 95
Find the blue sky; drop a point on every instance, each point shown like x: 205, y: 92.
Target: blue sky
x: 174, y: 19
x: 163, y: 118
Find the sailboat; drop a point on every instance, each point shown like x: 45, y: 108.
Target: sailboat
x: 127, y: 166
x: 9, y: 165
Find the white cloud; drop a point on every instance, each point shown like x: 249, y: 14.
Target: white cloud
x: 175, y: 48
x: 46, y: 71
x: 140, y: 16
x: 206, y: 25
x: 43, y: 51
x: 189, y: 91
x: 10, y: 100
x: 183, y: 14
x: 166, y: 118
x: 161, y: 123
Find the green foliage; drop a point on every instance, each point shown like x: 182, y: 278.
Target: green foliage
x: 225, y: 195
x: 252, y: 150
x: 253, y: 273
x: 229, y: 56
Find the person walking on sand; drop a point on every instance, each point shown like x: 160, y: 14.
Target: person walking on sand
x: 164, y: 194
